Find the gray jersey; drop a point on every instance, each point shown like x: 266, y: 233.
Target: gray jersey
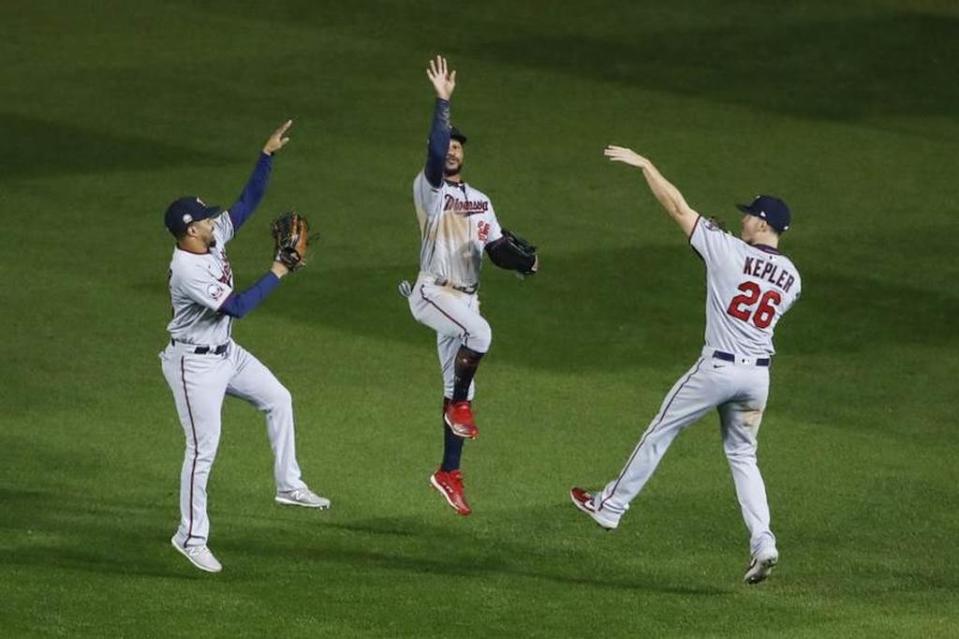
x: 748, y: 289
x: 456, y: 223
x: 199, y: 284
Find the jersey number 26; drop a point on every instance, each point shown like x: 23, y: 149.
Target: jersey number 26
x: 741, y: 307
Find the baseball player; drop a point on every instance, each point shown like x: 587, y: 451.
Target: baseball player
x: 457, y: 224
x: 202, y: 363
x: 749, y: 286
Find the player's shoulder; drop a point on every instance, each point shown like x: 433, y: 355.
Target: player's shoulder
x: 421, y: 183
x: 477, y: 194
x: 186, y: 264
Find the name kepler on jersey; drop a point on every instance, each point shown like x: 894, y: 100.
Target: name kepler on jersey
x: 770, y: 272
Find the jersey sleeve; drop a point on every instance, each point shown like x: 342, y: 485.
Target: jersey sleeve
x: 223, y: 228
x: 201, y: 286
x: 711, y: 242
x: 427, y: 197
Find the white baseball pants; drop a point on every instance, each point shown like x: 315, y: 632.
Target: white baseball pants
x: 199, y: 384
x: 455, y: 317
x: 739, y: 391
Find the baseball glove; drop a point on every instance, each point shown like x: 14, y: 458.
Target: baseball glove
x: 522, y: 249
x: 291, y: 240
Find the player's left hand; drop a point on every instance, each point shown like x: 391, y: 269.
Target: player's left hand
x: 626, y: 156
x: 278, y: 140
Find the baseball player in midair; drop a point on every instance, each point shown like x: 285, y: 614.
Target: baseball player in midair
x: 202, y: 363
x: 457, y: 224
x: 749, y: 286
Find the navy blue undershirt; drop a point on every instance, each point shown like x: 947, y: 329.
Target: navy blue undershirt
x: 439, y: 143
x: 253, y: 192
x: 239, y: 304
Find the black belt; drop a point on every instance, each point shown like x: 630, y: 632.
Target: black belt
x: 439, y: 281
x: 729, y: 357
x: 206, y: 350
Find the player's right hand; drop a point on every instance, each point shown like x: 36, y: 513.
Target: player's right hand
x: 277, y: 141
x: 626, y: 156
x: 443, y: 81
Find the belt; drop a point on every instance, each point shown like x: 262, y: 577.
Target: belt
x: 729, y: 357
x: 204, y: 350
x: 440, y: 281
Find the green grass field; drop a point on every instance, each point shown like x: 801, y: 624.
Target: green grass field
x: 848, y: 110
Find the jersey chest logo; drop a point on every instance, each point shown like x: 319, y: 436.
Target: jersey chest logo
x: 464, y: 207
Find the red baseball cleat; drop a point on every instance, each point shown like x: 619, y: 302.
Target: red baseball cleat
x: 459, y: 417
x: 583, y: 500
x: 450, y: 485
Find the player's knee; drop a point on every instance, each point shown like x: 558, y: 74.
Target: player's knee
x: 278, y: 398
x: 480, y: 338
x: 752, y: 418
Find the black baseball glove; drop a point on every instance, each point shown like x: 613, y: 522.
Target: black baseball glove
x: 291, y: 240
x: 513, y: 252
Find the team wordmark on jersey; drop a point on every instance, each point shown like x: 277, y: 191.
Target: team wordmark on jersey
x: 464, y: 207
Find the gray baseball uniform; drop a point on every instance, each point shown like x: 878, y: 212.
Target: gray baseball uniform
x: 748, y: 289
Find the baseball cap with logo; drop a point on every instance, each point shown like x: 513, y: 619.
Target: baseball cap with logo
x: 456, y: 134
x: 186, y: 210
x: 771, y: 209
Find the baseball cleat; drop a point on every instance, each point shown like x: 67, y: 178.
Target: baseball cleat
x: 450, y: 485
x: 760, y: 567
x: 459, y: 417
x: 302, y: 497
x: 199, y: 556
x: 583, y: 500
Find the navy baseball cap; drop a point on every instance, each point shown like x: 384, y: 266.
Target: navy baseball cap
x: 771, y: 209
x: 186, y: 210
x: 456, y: 134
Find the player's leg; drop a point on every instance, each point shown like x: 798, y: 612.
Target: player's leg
x: 695, y: 393
x: 255, y: 383
x: 455, y: 315
x: 447, y: 348
x: 198, y: 384
x: 740, y: 421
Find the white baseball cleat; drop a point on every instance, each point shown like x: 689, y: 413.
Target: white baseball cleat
x: 199, y: 556
x: 302, y: 497
x: 583, y: 500
x: 760, y: 567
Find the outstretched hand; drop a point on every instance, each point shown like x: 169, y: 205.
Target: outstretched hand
x: 626, y: 156
x: 443, y: 81
x: 277, y: 140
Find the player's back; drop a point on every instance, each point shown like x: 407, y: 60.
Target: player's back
x: 749, y: 289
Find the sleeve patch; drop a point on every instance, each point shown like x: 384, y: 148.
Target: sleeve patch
x: 215, y: 291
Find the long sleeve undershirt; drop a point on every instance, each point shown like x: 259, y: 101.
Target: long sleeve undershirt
x: 239, y: 304
x: 253, y: 192
x: 439, y: 143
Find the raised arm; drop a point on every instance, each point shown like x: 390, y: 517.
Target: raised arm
x: 439, y: 141
x: 667, y: 194
x: 255, y: 187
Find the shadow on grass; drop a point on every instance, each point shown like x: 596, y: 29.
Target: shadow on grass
x: 853, y: 68
x: 40, y: 148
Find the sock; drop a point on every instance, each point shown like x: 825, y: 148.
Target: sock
x: 464, y: 367
x: 452, y: 446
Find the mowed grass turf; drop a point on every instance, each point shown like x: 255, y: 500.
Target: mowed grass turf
x: 850, y: 111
